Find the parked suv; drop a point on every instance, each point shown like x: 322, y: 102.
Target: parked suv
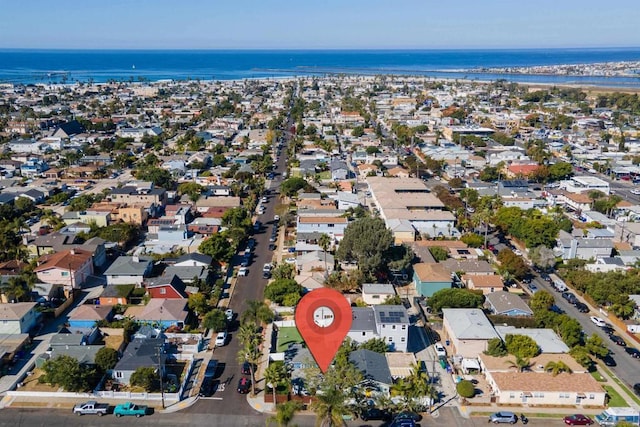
x: 570, y: 297
x: 503, y: 417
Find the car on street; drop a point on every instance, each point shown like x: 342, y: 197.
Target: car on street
x: 272, y: 246
x: 635, y: 191
x: 571, y: 298
x: 577, y: 420
x: 229, y: 314
x: 618, y: 340
x: 91, y: 408
x: 375, y: 414
x: 598, y: 321
x: 276, y: 218
x: 208, y: 387
x: 246, y: 368
x: 244, y: 385
x: 221, y: 339
x: 633, y: 352
x: 407, y: 415
x: 532, y: 287
x: 130, y: 409
x: 608, y: 360
x: 636, y: 389
x: 264, y: 199
x: 503, y: 417
x: 243, y: 271
x: 582, y: 307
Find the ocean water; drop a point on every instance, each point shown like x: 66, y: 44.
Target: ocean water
x: 38, y: 66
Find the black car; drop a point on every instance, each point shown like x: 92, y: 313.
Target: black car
x: 618, y: 340
x: 633, y: 352
x: 246, y: 368
x: 208, y: 387
x: 375, y: 414
x: 607, y: 330
x: 636, y: 389
x: 608, y: 360
x: 272, y: 246
x: 570, y: 297
x: 408, y: 415
x: 582, y: 307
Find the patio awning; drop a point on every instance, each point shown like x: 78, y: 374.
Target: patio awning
x: 527, y: 394
x: 582, y: 395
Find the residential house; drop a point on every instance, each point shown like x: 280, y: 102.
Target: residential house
x: 548, y: 341
x: 466, y: 331
x: 332, y: 225
x: 377, y: 293
x: 347, y: 200
x: 162, y: 312
x: 569, y: 247
x: 375, y: 371
x: 188, y: 273
x: 506, y: 304
x: 339, y: 170
x: 315, y: 261
x: 70, y: 268
x: 85, y: 316
x: 170, y: 287
x: 141, y: 194
x: 402, y: 230
x: 99, y: 218
x: 429, y: 278
x: 18, y: 318
x: 389, y: 322
x: 140, y: 353
x: 487, y: 283
x: 127, y: 270
x: 469, y: 267
x: 115, y: 294
x: 537, y: 387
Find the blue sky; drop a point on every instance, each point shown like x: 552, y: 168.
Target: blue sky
x: 318, y: 24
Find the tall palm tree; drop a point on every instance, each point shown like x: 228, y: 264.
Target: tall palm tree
x: 330, y: 408
x: 285, y: 413
x: 274, y: 375
x: 250, y: 348
x: 324, y: 241
x: 521, y: 363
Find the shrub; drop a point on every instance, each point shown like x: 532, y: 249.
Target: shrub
x: 466, y: 389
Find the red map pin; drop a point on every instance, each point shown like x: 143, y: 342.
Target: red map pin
x: 323, y: 317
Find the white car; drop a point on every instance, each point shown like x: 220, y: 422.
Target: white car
x: 598, y: 321
x: 229, y: 313
x: 635, y: 191
x: 243, y: 271
x: 221, y: 339
x: 440, y: 350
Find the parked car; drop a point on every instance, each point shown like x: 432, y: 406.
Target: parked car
x: 440, y: 350
x: 577, y: 420
x: 229, y: 314
x: 618, y: 340
x: 582, y: 307
x: 221, y: 339
x: 608, y: 360
x: 407, y: 415
x: 244, y: 385
x: 208, y: 387
x: 243, y: 271
x: 91, y: 408
x: 633, y: 352
x: 571, y: 298
x: 130, y: 409
x: 503, y: 417
x: 636, y: 389
x: 532, y: 287
x: 247, y: 367
x: 598, y: 321
x: 375, y: 414
x: 272, y: 246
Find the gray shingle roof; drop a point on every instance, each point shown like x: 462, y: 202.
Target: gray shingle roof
x: 373, y: 365
x: 127, y: 266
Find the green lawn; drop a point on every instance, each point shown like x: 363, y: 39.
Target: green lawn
x: 287, y: 336
x: 598, y: 377
x: 614, y: 397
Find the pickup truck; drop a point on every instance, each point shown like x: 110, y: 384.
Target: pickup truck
x: 129, y: 408
x: 91, y: 408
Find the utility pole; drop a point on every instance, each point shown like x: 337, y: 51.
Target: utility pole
x: 160, y: 374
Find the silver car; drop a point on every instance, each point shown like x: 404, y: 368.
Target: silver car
x: 503, y: 417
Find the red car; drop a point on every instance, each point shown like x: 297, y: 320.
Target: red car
x: 244, y: 385
x: 577, y: 420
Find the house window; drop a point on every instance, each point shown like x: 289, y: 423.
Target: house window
x: 538, y: 395
x: 163, y: 291
x: 564, y: 395
x: 393, y: 327
x: 404, y: 327
x: 331, y: 225
x: 119, y: 374
x: 376, y: 297
x: 402, y: 339
x: 512, y: 395
x: 364, y: 334
x: 592, y: 396
x: 65, y: 274
x: 390, y: 339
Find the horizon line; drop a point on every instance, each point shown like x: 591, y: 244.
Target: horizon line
x: 369, y: 49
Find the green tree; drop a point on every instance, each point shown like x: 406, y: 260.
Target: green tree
x: 512, y: 264
x: 366, y: 240
x: 250, y: 338
x: 285, y: 413
x: 257, y: 312
x: 324, y: 241
x: 146, y: 377
x: 192, y: 189
x: 215, y: 320
x: 275, y: 375
x: 496, y: 348
x: 357, y: 131
x: 159, y: 177
x: 521, y: 346
x: 66, y: 372
x: 198, y: 303
x: 277, y: 290
x: 217, y: 247
x: 520, y: 363
x: 466, y: 389
x: 473, y: 240
x: 106, y: 359
x: 439, y: 253
x: 291, y: 186
x: 330, y: 407
x: 283, y: 271
x: 379, y: 345
x: 541, y: 300
x: 596, y: 346
x: 560, y: 170
x: 556, y: 367
x: 455, y: 298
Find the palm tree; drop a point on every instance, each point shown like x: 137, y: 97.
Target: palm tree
x: 330, y: 408
x: 274, y: 375
x: 285, y: 413
x: 521, y: 363
x: 250, y: 348
x: 557, y: 367
x: 324, y: 241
